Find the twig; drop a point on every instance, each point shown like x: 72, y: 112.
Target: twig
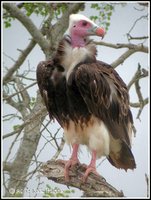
x: 20, y: 91
x: 42, y: 111
x: 135, y: 22
x: 136, y: 38
x: 59, y: 149
x: 137, y: 105
x: 96, y: 186
x: 140, y: 73
x: 19, y: 61
x: 10, y: 149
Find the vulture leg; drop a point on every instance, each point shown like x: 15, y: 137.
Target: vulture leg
x: 91, y: 167
x: 72, y: 161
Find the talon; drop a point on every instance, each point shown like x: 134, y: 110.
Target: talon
x: 89, y: 170
x: 73, y: 161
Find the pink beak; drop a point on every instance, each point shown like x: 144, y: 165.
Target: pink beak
x: 95, y: 30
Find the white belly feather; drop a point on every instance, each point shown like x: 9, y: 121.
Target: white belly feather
x: 95, y: 135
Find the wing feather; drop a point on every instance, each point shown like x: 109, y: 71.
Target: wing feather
x: 46, y: 86
x: 106, y: 96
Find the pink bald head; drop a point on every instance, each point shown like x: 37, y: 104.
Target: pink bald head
x: 80, y: 28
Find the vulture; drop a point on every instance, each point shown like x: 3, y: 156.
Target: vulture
x: 88, y: 98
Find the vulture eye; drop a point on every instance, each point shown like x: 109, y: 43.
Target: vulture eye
x: 74, y: 26
x: 84, y: 23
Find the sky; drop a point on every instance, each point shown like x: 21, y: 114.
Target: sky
x: 131, y: 182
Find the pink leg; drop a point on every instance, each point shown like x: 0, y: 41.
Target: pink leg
x: 72, y: 161
x: 91, y: 167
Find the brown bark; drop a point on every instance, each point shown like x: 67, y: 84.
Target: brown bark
x: 96, y: 186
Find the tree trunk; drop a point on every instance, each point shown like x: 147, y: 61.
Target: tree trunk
x: 26, y: 151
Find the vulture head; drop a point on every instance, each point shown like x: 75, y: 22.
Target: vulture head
x: 80, y: 27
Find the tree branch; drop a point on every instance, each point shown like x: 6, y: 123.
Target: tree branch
x: 29, y: 25
x: 132, y: 48
x: 140, y: 73
x: 122, y: 58
x: 139, y: 47
x: 136, y: 38
x: 20, y: 91
x: 28, y: 121
x: 138, y: 105
x: 19, y: 61
x: 94, y: 187
x: 135, y: 22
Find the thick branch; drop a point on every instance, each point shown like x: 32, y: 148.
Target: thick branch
x: 135, y: 47
x: 29, y: 25
x: 132, y: 48
x: 95, y: 186
x: 122, y: 58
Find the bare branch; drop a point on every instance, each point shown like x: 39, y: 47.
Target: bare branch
x: 140, y: 97
x: 136, y: 38
x: 59, y: 149
x: 9, y: 57
x: 122, y: 58
x: 19, y: 61
x: 20, y: 91
x: 138, y: 105
x: 17, y: 130
x: 12, y: 144
x: 20, y: 127
x: 140, y: 73
x: 135, y: 47
x: 29, y: 25
x: 135, y: 22
x: 24, y: 77
x: 132, y: 48
x: 96, y: 186
x: 11, y: 102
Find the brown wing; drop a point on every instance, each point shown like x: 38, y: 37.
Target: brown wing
x: 44, y: 73
x: 52, y: 86
x: 107, y: 98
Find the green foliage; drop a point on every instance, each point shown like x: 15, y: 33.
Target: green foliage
x: 16, y: 127
x: 104, y: 14
x: 32, y: 102
x: 56, y: 192
x: 7, y: 20
x: 42, y: 9
x: 37, y: 8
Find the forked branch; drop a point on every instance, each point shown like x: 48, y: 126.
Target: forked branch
x: 96, y: 186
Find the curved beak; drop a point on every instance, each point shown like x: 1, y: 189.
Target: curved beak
x: 95, y: 30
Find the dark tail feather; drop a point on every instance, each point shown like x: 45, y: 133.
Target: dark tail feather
x: 125, y: 160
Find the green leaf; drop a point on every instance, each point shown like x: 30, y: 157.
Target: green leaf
x: 15, y: 127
